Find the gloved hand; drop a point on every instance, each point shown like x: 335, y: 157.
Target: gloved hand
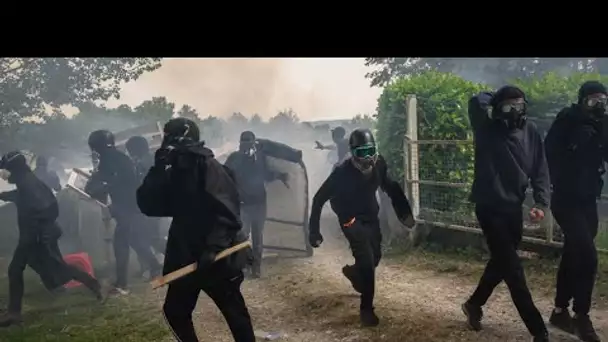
x: 205, y: 261
x: 315, y: 239
x: 164, y: 156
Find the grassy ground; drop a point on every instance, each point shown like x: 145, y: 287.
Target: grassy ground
x: 470, y: 263
x: 76, y: 316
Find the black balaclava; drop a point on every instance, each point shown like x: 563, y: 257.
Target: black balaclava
x: 137, y: 147
x: 180, y: 132
x: 511, y: 116
x: 13, y: 166
x: 596, y: 107
x: 337, y: 134
x: 247, y: 143
x: 100, y: 142
x: 363, y: 149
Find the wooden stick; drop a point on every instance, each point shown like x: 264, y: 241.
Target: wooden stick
x: 165, y: 280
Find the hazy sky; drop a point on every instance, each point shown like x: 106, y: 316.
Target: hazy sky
x: 314, y: 87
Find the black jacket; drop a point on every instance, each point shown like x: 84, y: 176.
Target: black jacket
x: 506, y: 163
x: 116, y: 174
x: 37, y: 208
x: 576, y: 152
x: 201, y: 197
x: 251, y: 173
x: 352, y: 195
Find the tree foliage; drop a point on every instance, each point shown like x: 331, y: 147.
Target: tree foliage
x: 189, y: 113
x: 285, y: 118
x: 493, y: 71
x: 32, y: 86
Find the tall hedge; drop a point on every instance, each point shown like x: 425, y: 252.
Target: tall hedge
x: 442, y: 115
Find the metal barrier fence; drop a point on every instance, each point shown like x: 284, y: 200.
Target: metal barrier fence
x: 439, y: 174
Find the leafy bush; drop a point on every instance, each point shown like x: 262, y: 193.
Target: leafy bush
x: 442, y: 115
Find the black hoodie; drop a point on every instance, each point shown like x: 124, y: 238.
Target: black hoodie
x: 506, y: 163
x: 576, y: 154
x: 202, y: 198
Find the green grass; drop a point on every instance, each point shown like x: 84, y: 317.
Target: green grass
x: 76, y: 316
x: 601, y: 241
x: 469, y: 263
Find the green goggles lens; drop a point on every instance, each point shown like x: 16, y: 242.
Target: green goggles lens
x: 364, y: 151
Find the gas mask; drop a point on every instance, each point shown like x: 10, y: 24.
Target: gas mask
x: 5, y: 174
x: 248, y: 148
x: 511, y: 115
x: 364, y: 158
x: 95, y: 160
x: 596, y: 105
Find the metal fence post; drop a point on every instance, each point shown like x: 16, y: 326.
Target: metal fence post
x: 411, y: 141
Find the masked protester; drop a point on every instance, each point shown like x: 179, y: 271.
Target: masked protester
x: 340, y: 143
x: 148, y: 228
x: 116, y: 175
x: 37, y: 212
x: 43, y: 173
x: 251, y: 172
x: 351, y: 189
x: 509, y: 155
x: 576, y: 152
x: 188, y: 184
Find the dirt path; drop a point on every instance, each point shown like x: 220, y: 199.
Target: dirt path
x: 310, y: 300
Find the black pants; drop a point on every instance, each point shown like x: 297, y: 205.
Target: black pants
x: 503, y: 232
x: 147, y: 231
x: 125, y: 237
x: 578, y: 267
x: 225, y: 291
x: 365, y: 239
x: 44, y: 258
x: 254, y: 219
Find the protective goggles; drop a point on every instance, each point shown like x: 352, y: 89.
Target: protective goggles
x: 516, y: 106
x: 595, y: 100
x: 367, y: 151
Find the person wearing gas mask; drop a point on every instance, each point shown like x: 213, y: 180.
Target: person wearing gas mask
x: 576, y: 151
x: 116, y: 176
x: 251, y: 173
x: 351, y: 189
x: 340, y: 143
x: 189, y: 185
x: 49, y: 177
x: 509, y: 155
x: 148, y: 228
x: 37, y: 212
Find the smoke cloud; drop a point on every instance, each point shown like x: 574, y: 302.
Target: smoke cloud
x: 313, y: 87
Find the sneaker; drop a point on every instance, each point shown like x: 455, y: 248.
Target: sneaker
x: 118, y: 291
x: 562, y: 320
x: 474, y: 315
x: 368, y: 318
x: 541, y: 338
x: 584, y: 329
x: 351, y: 274
x: 8, y: 319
